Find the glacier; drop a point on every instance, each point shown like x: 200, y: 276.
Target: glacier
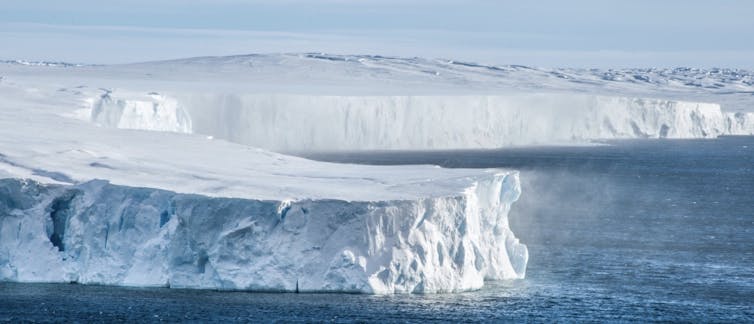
x: 426, y: 122
x: 170, y: 173
x: 341, y: 102
x: 99, y: 233
x: 85, y: 199
x: 153, y: 112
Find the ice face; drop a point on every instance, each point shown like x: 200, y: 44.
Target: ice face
x: 433, y: 122
x: 341, y: 102
x: 99, y: 233
x: 181, y: 207
x: 154, y: 112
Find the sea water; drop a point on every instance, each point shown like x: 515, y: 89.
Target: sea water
x: 628, y: 231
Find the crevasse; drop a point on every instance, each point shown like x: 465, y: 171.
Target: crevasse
x: 100, y: 233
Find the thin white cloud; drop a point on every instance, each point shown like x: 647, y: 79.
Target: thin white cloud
x: 119, y: 44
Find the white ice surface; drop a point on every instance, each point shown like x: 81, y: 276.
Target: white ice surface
x: 305, y: 122
x: 98, y: 233
x: 182, y: 207
x: 42, y: 141
x: 370, y: 102
x: 185, y: 210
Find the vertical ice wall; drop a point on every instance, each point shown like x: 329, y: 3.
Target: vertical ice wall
x: 100, y: 233
x: 147, y: 112
x: 304, y: 122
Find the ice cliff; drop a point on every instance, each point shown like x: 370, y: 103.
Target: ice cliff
x: 151, y: 174
x: 316, y: 101
x: 307, y: 122
x: 148, y: 112
x: 86, y: 198
x: 99, y: 233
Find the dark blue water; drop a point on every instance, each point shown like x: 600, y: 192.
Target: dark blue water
x: 633, y: 231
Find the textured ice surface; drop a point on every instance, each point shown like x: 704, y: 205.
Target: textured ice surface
x: 308, y: 122
x: 298, y: 102
x: 98, y: 233
x: 151, y: 112
x: 184, y: 210
x: 88, y: 195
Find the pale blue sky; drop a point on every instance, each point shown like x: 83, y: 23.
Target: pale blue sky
x: 585, y: 33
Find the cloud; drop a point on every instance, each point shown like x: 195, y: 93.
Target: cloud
x: 124, y: 44
x: 546, y: 33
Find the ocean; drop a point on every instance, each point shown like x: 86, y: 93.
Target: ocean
x: 638, y: 230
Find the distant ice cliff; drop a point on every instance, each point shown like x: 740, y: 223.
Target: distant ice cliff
x: 307, y: 122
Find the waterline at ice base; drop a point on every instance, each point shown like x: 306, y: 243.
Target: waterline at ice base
x: 169, y: 173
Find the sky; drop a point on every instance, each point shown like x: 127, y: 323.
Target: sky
x: 575, y: 33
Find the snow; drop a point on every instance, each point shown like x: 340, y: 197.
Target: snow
x: 337, y: 102
x: 163, y: 174
x: 40, y: 141
x: 86, y: 199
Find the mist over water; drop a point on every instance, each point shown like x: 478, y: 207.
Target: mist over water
x: 634, y: 230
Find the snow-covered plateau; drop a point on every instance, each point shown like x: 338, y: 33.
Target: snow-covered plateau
x: 336, y: 102
x: 163, y: 173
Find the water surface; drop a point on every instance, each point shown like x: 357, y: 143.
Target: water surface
x: 635, y: 231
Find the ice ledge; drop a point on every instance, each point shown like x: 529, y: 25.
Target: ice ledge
x: 100, y: 233
x: 417, y: 122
